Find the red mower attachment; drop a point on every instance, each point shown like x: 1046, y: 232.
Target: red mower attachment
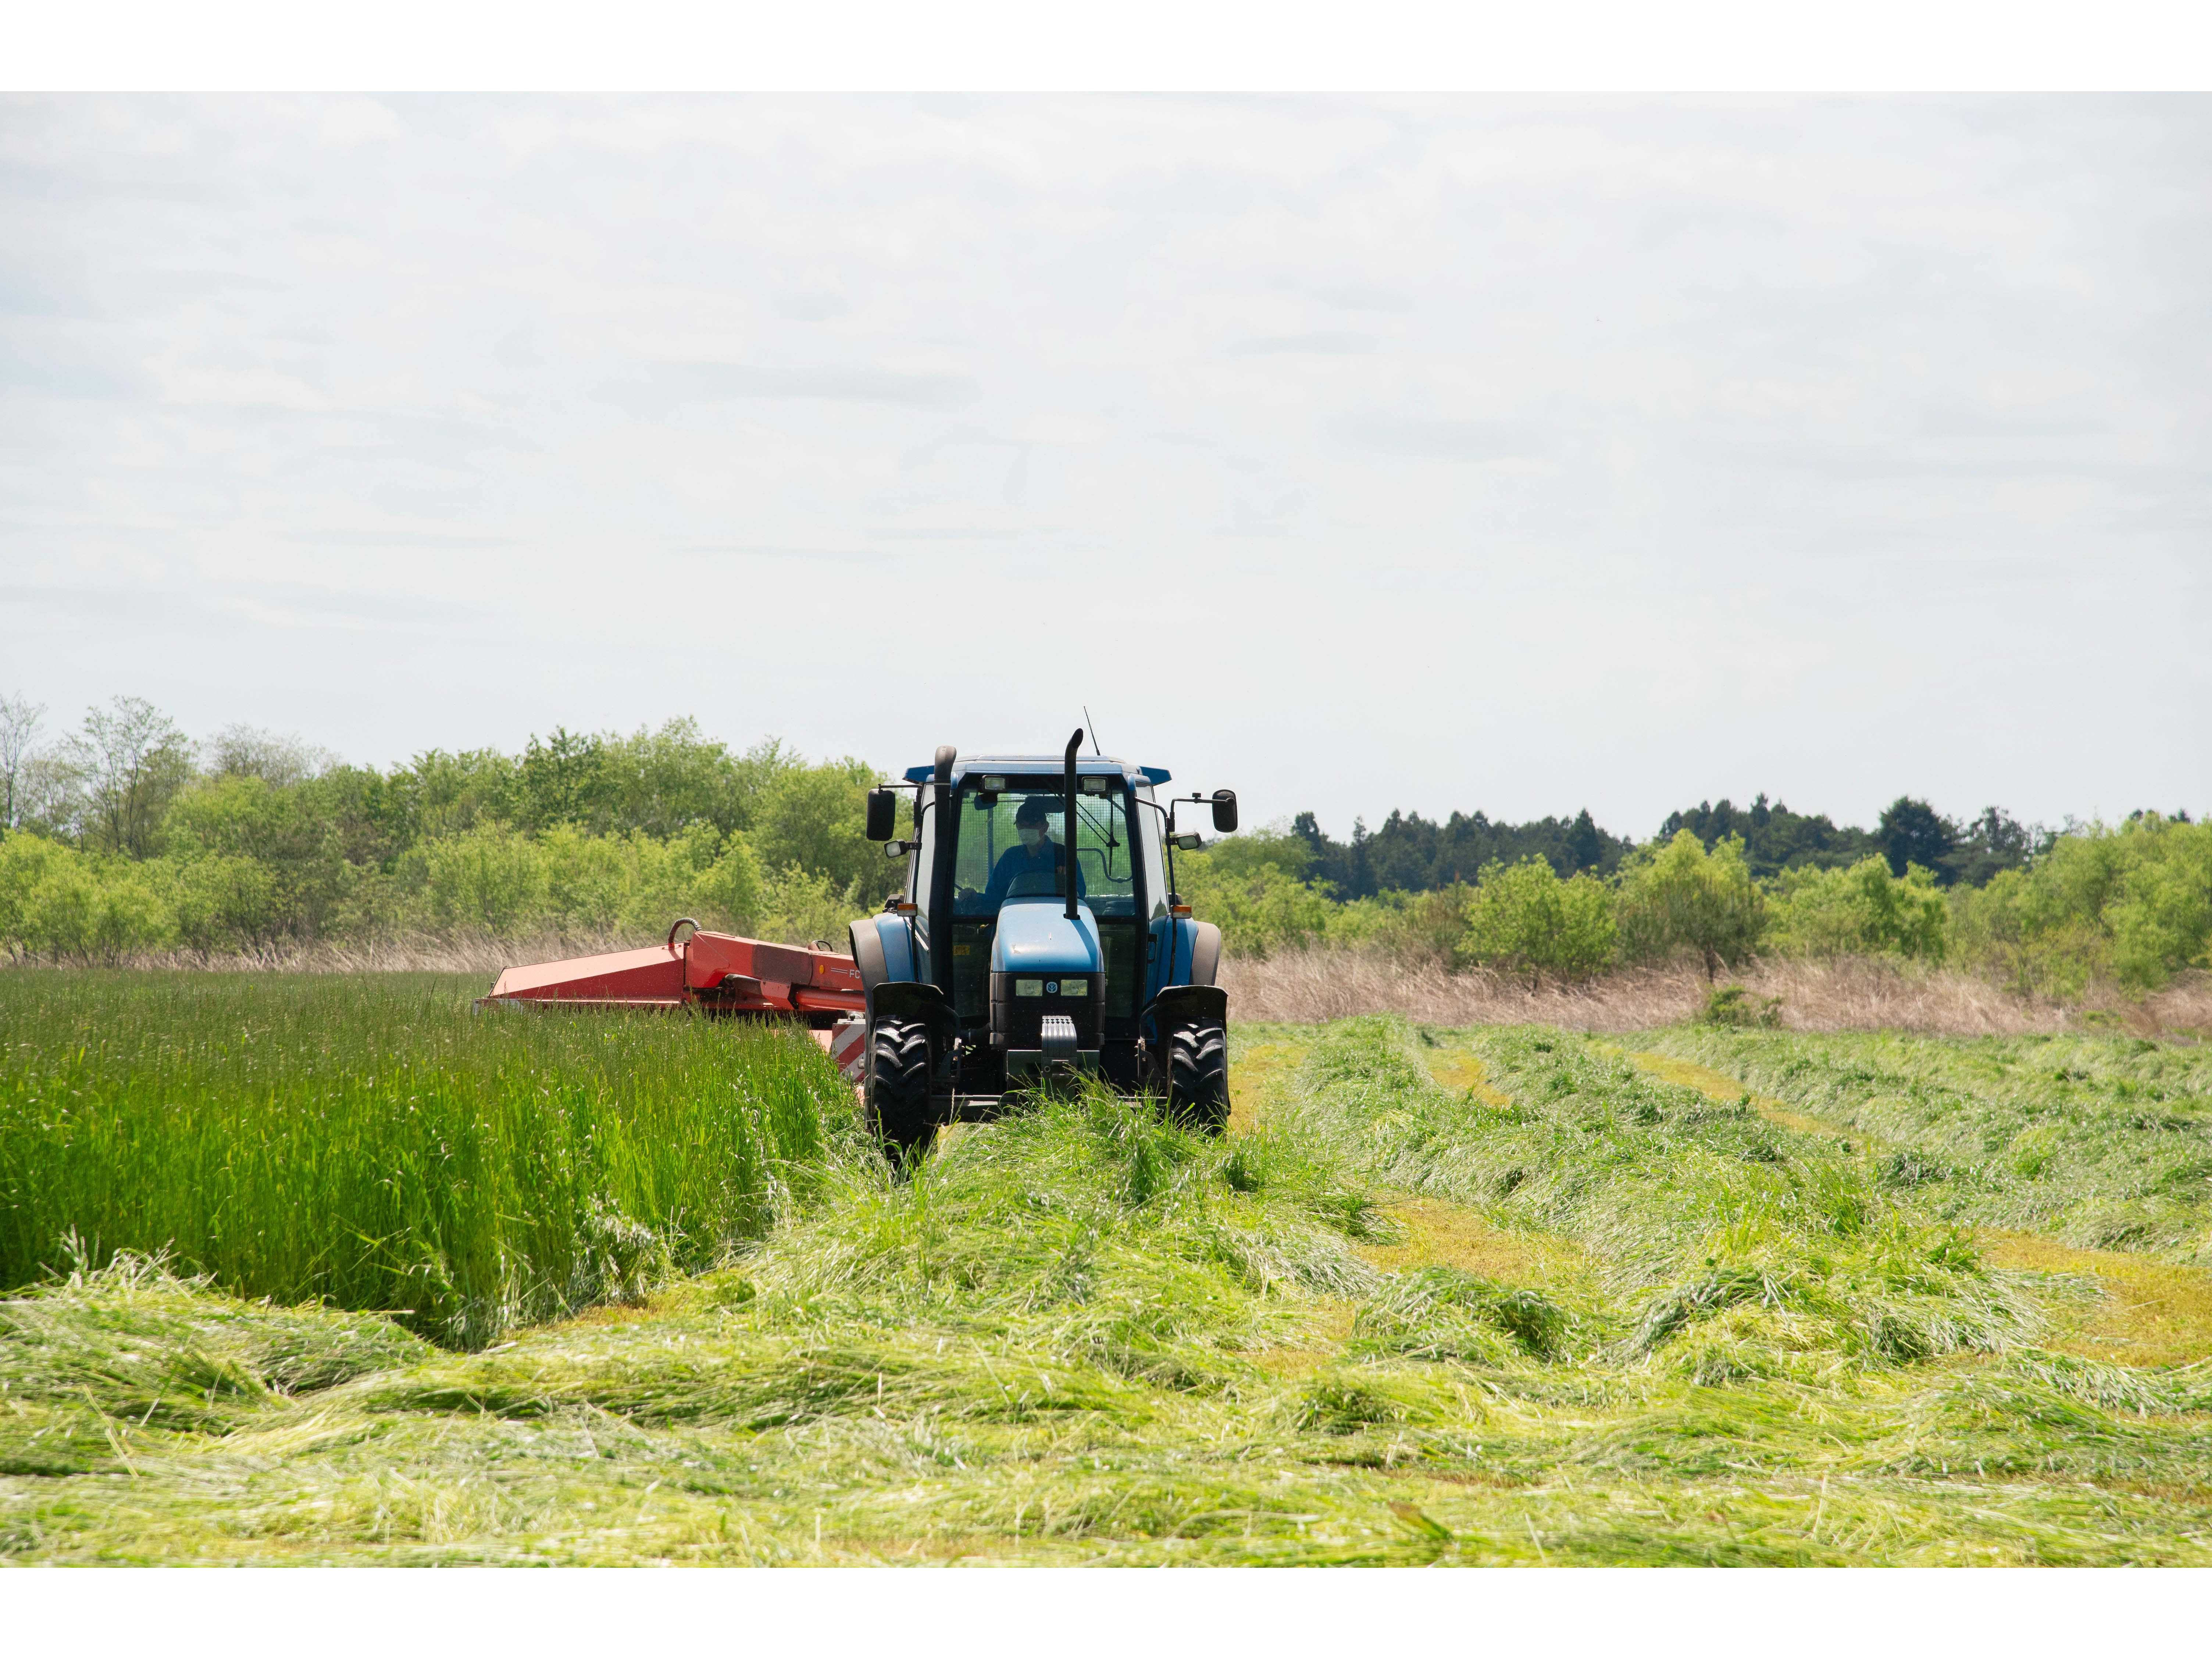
x: 715, y: 973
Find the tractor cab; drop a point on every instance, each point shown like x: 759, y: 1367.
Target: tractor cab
x: 1038, y: 930
x: 993, y: 911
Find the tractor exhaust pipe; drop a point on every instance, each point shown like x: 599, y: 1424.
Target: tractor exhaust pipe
x: 941, y: 796
x: 1067, y: 879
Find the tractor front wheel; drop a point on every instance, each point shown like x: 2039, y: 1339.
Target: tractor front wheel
x: 1198, y: 1076
x: 898, y: 1088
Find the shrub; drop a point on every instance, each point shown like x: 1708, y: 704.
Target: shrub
x: 490, y: 879
x: 1861, y: 911
x: 1523, y: 918
x: 2131, y: 905
x: 1430, y: 926
x: 813, y: 817
x: 224, y: 903
x: 68, y: 905
x: 1252, y: 887
x: 1732, y: 1005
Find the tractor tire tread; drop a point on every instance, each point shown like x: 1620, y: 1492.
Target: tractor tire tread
x: 898, y: 1087
x: 1198, y: 1076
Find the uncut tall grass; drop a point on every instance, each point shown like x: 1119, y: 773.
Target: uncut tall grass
x: 371, y: 1141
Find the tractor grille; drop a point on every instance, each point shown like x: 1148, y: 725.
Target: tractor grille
x: 1022, y: 1006
x: 1056, y: 1037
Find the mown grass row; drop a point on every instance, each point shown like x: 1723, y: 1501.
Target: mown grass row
x: 371, y: 1142
x: 1622, y: 1323
x: 1744, y: 1247
x: 2104, y: 1142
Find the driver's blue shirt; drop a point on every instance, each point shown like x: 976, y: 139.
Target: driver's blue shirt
x: 1018, y: 860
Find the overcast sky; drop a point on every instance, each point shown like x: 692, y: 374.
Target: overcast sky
x: 1518, y: 454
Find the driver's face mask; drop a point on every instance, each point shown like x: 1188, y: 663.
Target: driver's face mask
x: 1032, y: 835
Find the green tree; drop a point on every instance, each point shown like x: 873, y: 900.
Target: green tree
x: 19, y: 731
x: 286, y: 830
x: 1993, y: 841
x: 1913, y: 832
x: 279, y: 760
x: 132, y: 761
x: 490, y: 879
x: 1428, y: 926
x: 815, y: 819
x: 661, y: 782
x: 1523, y: 918
x: 1585, y: 842
x: 563, y: 780
x: 25, y: 861
x: 438, y: 794
x: 2162, y: 921
x: 1678, y: 897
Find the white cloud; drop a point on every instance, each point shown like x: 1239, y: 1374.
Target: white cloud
x: 1429, y: 453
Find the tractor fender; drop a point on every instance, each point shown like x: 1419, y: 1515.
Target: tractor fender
x: 1185, y: 1005
x: 867, y: 952
x: 1204, y: 953
x: 882, y: 949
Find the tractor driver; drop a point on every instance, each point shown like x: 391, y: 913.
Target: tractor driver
x: 1039, y: 854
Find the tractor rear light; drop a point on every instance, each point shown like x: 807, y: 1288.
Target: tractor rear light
x: 1178, y: 909
x: 904, y: 907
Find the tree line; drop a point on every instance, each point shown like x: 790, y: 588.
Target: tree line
x: 124, y: 836
x: 2129, y: 905
x: 1412, y: 854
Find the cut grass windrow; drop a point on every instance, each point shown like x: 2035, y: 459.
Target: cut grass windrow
x: 2106, y: 1143
x: 1548, y: 1309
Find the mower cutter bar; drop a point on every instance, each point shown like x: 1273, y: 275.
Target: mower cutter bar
x: 720, y: 973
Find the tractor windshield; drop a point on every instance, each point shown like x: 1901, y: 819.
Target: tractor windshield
x: 992, y: 863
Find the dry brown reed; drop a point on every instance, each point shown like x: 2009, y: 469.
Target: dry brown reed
x: 1304, y: 986
x: 460, y: 953
x: 1850, y: 994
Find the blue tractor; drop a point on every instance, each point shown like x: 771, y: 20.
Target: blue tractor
x: 1039, y: 936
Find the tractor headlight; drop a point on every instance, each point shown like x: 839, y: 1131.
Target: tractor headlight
x: 1029, y: 987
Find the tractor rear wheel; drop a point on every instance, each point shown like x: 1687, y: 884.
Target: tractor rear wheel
x: 898, y: 1087
x: 1198, y: 1076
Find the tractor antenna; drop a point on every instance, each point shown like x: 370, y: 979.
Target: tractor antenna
x: 1093, y: 730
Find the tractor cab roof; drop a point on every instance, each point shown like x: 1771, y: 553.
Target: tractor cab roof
x: 1088, y: 766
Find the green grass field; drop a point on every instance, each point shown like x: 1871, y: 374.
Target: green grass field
x: 1504, y: 1294
x: 371, y: 1142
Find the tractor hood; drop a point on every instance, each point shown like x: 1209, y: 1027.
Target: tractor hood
x: 1035, y: 936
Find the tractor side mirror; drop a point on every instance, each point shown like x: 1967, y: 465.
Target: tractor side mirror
x: 1225, y: 812
x: 883, y: 814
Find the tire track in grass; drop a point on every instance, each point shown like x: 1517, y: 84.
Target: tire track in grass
x: 1439, y: 1233
x: 2146, y: 1312
x: 2151, y: 1312
x: 1718, y: 1086
x: 1260, y: 1063
x: 1457, y: 1069
x: 1431, y: 1232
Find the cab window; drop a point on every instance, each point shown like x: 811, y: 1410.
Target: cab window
x: 986, y: 826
